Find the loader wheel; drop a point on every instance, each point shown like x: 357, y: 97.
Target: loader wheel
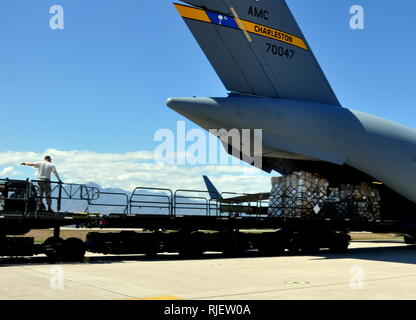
x: 74, y: 250
x: 309, y: 243
x: 190, y: 252
x: 310, y: 249
x: 272, y: 251
x: 409, y: 240
x: 232, y: 251
x: 191, y: 245
x: 152, y: 249
x: 54, y: 248
x: 293, y: 244
x: 233, y: 248
x: 270, y: 245
x: 339, y: 243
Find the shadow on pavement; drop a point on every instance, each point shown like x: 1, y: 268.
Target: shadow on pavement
x: 385, y: 252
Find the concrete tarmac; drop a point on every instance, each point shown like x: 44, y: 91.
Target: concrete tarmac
x: 370, y: 270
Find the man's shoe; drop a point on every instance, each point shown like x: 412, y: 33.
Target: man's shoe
x: 50, y: 210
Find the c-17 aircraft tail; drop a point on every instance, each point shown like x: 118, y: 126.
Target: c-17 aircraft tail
x: 276, y: 84
x: 257, y: 48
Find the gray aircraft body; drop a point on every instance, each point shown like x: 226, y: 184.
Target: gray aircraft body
x: 276, y: 85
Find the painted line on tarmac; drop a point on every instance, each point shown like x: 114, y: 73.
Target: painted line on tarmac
x: 157, y: 298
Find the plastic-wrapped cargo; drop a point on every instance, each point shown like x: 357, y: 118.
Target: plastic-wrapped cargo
x: 360, y: 201
x: 368, y: 199
x: 297, y: 195
x: 306, y: 195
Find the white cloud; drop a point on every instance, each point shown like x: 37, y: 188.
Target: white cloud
x: 132, y: 169
x: 9, y: 172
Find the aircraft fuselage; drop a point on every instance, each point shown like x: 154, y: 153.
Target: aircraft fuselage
x: 312, y: 131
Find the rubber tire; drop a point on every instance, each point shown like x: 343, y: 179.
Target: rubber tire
x: 310, y: 250
x: 74, y: 250
x: 190, y: 252
x: 190, y: 245
x: 233, y: 248
x: 340, y: 243
x: 272, y: 251
x: 409, y: 240
x: 293, y: 245
x: 152, y: 251
x: 53, y: 248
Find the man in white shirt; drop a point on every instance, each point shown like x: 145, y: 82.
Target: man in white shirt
x: 45, y: 169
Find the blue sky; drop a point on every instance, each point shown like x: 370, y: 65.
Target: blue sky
x: 100, y: 85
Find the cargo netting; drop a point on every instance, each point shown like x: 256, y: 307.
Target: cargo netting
x: 305, y: 195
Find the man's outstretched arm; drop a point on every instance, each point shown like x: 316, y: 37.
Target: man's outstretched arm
x: 29, y: 164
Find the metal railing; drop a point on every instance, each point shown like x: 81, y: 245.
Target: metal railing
x: 141, y: 198
x: 24, y: 196
x: 199, y: 204
x: 66, y: 191
x: 27, y: 199
x: 124, y: 205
